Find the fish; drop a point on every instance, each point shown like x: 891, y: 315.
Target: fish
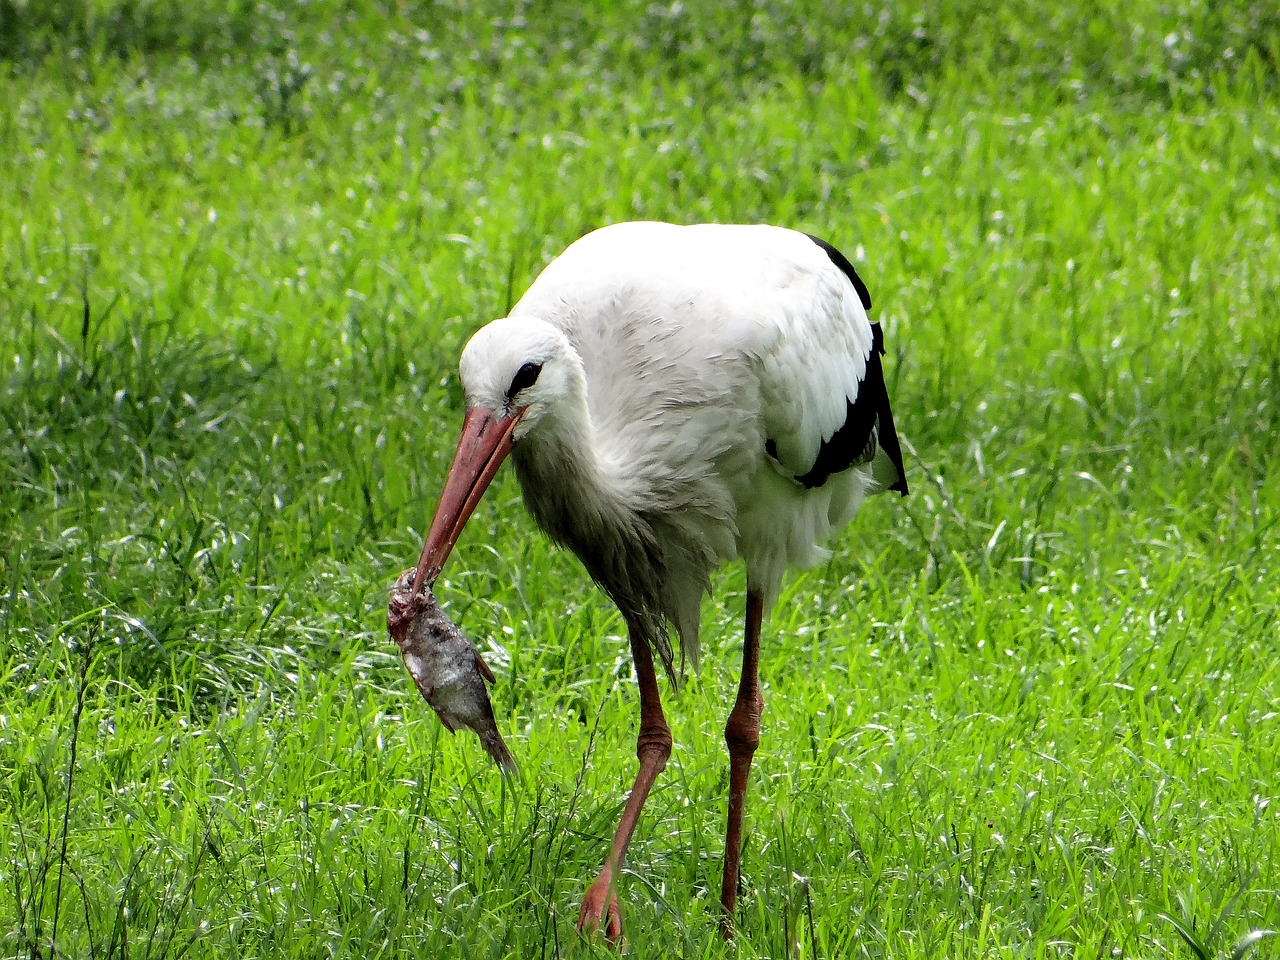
x: 447, y: 669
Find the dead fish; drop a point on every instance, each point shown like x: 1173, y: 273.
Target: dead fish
x: 448, y: 670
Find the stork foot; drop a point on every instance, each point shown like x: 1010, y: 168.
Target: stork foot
x: 600, y: 911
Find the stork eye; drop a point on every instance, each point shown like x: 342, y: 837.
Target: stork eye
x: 526, y: 376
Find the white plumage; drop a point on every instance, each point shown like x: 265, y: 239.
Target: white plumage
x: 695, y: 345
x: 673, y: 397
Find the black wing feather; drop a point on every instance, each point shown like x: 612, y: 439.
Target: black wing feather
x: 868, y: 421
x: 841, y: 261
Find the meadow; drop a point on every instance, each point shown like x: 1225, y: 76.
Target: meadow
x: 1031, y: 711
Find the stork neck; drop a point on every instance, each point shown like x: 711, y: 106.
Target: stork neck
x: 563, y: 447
x: 573, y: 491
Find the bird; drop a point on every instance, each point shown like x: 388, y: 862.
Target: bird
x: 672, y: 398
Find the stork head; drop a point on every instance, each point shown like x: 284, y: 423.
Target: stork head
x: 517, y: 373
x: 520, y: 368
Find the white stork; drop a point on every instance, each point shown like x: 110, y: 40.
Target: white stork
x: 673, y: 397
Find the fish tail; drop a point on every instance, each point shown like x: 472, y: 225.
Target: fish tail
x: 496, y: 747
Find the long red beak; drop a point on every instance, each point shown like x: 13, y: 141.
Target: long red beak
x: 484, y: 444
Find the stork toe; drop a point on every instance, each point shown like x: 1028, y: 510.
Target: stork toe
x: 600, y: 912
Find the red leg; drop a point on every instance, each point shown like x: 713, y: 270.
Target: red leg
x: 653, y: 747
x: 742, y: 734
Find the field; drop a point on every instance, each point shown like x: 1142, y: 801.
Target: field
x: 1032, y: 710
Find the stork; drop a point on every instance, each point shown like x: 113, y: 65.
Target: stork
x: 672, y: 398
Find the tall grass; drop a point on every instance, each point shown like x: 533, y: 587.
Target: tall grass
x: 1029, y: 711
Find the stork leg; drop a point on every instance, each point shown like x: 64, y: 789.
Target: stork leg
x: 653, y: 747
x: 742, y: 734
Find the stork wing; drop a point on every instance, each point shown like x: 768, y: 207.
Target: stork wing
x: 825, y: 405
x: 672, y: 320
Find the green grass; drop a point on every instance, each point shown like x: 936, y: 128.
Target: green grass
x: 1030, y: 711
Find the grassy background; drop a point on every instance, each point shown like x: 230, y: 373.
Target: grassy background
x: 1030, y: 711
